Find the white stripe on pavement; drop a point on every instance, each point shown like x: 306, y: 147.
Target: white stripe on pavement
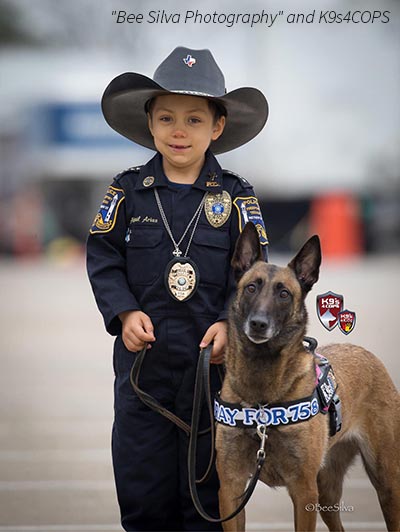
x: 15, y: 485
x: 354, y: 525
x: 59, y: 485
x: 101, y: 485
x: 350, y: 525
x: 59, y: 455
x: 62, y: 528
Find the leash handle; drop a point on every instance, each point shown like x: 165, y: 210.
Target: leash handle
x: 155, y: 405
x: 201, y: 386
x: 203, y: 375
x: 147, y: 399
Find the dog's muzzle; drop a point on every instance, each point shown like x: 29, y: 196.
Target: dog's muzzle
x: 259, y: 329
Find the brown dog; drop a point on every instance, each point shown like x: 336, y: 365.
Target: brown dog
x: 266, y: 364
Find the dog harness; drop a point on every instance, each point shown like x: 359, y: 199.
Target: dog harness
x: 324, y: 400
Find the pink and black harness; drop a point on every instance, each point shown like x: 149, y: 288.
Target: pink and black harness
x: 324, y: 400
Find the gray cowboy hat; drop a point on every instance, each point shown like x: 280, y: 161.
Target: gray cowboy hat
x: 189, y: 72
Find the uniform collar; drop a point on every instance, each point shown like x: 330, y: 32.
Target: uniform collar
x: 152, y: 175
x: 210, y: 177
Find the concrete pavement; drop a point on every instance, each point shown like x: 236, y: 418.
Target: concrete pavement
x: 56, y: 396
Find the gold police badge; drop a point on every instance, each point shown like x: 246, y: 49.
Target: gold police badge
x: 181, y: 278
x: 218, y: 208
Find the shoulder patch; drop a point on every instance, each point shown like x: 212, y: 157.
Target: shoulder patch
x: 249, y: 211
x: 135, y: 169
x: 105, y: 218
x: 242, y: 180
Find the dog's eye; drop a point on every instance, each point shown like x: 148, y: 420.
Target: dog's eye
x: 251, y: 288
x: 284, y: 294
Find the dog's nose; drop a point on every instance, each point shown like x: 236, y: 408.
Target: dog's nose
x: 258, y: 325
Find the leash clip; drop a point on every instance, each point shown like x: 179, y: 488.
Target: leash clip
x: 262, y: 433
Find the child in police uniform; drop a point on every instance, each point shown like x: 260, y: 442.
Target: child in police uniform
x: 158, y: 258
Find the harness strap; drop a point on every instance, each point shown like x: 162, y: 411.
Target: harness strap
x: 324, y: 400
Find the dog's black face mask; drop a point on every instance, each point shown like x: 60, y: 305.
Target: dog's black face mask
x: 269, y: 305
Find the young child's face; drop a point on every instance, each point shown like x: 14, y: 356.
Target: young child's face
x: 183, y: 128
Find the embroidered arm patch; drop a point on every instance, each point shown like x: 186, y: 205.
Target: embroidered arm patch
x: 249, y: 211
x: 107, y: 215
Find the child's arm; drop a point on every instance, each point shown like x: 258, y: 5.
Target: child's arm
x: 106, y: 260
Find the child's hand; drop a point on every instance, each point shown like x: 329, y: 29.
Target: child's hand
x: 218, y: 332
x: 137, y: 329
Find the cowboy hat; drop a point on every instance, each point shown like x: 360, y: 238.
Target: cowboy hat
x: 188, y: 72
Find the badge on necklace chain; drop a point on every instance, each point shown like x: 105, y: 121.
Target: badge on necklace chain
x: 181, y: 278
x: 218, y: 208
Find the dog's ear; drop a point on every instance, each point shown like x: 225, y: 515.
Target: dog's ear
x: 247, y: 250
x: 307, y: 262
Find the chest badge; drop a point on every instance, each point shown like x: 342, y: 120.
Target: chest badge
x: 218, y: 208
x: 181, y: 278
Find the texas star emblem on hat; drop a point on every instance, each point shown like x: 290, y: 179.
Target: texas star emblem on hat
x: 189, y: 60
x: 189, y: 72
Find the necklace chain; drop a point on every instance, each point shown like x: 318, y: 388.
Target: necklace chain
x: 195, y: 218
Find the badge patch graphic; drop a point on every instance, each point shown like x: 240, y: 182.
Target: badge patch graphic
x: 218, y: 208
x: 148, y: 181
x: 105, y: 218
x: 328, y: 307
x: 346, y: 321
x: 249, y: 211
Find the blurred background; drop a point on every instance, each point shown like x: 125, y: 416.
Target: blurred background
x: 328, y: 162
x: 331, y: 141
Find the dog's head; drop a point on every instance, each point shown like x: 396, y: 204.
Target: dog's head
x: 269, y: 305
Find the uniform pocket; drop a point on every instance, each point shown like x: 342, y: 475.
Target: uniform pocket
x: 142, y: 253
x: 210, y: 251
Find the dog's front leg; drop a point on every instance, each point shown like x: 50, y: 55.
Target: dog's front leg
x: 229, y: 499
x: 233, y: 472
x: 304, y: 494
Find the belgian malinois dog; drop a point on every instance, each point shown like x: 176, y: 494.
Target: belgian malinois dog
x: 268, y: 363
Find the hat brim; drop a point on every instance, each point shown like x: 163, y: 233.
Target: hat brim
x: 123, y: 106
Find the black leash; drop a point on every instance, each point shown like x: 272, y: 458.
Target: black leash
x: 202, y: 377
x: 147, y: 399
x: 202, y: 386
x: 155, y: 405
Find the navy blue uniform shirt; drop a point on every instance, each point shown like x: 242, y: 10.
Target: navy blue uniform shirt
x: 128, y: 248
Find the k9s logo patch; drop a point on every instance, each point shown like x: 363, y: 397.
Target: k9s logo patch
x: 105, y: 218
x: 347, y: 321
x: 328, y: 307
